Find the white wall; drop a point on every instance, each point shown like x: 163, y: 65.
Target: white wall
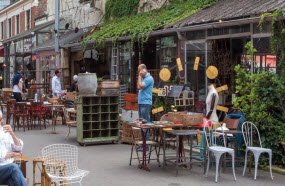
x: 77, y: 14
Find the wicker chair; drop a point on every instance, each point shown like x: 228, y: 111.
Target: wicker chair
x: 61, y: 164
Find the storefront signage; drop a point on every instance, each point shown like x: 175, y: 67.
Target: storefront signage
x: 157, y: 110
x: 179, y: 64
x: 196, y: 63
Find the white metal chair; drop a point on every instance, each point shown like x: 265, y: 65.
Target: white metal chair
x: 248, y: 129
x: 61, y: 162
x: 218, y: 151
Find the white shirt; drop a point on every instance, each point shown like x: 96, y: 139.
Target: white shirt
x: 18, y: 88
x: 7, y: 145
x: 56, y: 86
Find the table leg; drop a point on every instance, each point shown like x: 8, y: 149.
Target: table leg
x: 177, y: 154
x: 164, y: 146
x: 190, y: 155
x: 143, y: 165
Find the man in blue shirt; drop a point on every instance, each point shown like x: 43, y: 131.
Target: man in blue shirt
x: 145, y: 86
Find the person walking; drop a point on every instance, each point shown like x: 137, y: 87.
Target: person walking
x: 56, y: 84
x: 145, y: 86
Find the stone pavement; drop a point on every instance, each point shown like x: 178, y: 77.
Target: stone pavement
x: 109, y: 165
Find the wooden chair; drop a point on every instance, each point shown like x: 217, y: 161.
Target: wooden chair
x: 70, y: 123
x: 11, y: 111
x: 21, y: 112
x: 37, y: 113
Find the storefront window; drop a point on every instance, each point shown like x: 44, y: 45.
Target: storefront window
x: 196, y: 79
x: 125, y: 63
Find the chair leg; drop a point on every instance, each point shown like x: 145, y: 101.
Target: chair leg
x: 245, y: 162
x: 218, y: 157
x: 132, y: 150
x: 68, y: 132
x: 149, y: 153
x: 208, y: 165
x: 233, y: 165
x: 270, y: 164
x: 256, y: 158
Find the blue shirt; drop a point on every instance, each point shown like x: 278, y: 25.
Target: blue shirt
x: 145, y: 94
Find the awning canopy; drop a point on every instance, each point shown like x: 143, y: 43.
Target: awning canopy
x: 1, y: 51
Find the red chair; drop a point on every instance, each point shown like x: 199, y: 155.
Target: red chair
x: 10, y: 111
x: 21, y: 112
x: 37, y: 113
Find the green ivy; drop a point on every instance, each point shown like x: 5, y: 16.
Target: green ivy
x: 261, y: 97
x: 120, y: 8
x: 139, y: 26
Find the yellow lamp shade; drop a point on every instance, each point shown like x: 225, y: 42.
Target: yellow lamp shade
x: 212, y: 72
x: 164, y: 74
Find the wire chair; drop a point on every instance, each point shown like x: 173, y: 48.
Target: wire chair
x: 248, y: 129
x: 218, y: 151
x: 61, y: 164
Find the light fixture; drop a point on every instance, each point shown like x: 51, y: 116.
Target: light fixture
x: 220, y: 21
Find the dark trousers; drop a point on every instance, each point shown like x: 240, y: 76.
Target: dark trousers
x: 17, y: 96
x: 11, y: 175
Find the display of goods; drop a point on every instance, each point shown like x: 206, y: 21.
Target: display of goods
x: 112, y: 84
x: 87, y: 83
x: 131, y: 97
x: 192, y: 118
x: 176, y: 117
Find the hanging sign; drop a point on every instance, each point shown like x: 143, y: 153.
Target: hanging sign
x: 162, y: 92
x: 179, y: 64
x: 157, y: 110
x: 212, y: 72
x: 196, y: 63
x: 222, y: 88
x: 222, y: 108
x: 164, y: 74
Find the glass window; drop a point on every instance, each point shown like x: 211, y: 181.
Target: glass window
x: 196, y: 79
x: 125, y: 63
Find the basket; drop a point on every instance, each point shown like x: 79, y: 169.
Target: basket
x: 127, y: 133
x: 192, y: 118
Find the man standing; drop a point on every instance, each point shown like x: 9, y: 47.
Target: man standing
x: 145, y: 86
x: 56, y: 85
x: 10, y: 147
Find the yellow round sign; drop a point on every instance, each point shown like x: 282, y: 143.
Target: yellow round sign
x: 164, y: 74
x: 212, y: 72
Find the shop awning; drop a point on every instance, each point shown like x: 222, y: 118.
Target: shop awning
x: 1, y: 51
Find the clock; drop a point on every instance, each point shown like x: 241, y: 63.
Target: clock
x: 212, y: 72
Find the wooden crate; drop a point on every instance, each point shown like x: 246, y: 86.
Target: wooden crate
x: 131, y: 97
x: 109, y: 84
x: 131, y: 105
x: 176, y: 117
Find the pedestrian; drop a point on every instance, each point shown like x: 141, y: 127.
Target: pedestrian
x: 74, y: 85
x: 18, y: 86
x: 145, y: 86
x: 56, y: 84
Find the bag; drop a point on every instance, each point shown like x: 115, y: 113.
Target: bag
x: 231, y: 124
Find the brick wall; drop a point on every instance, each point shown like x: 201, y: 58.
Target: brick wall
x: 22, y: 22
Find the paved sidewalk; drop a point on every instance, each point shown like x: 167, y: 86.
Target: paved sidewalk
x: 109, y: 165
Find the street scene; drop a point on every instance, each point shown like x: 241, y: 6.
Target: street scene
x: 142, y: 92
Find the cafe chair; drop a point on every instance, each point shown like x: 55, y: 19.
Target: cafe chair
x: 70, y: 123
x: 21, y: 114
x: 253, y: 144
x: 11, y: 111
x: 61, y: 164
x: 211, y: 140
x: 137, y: 144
